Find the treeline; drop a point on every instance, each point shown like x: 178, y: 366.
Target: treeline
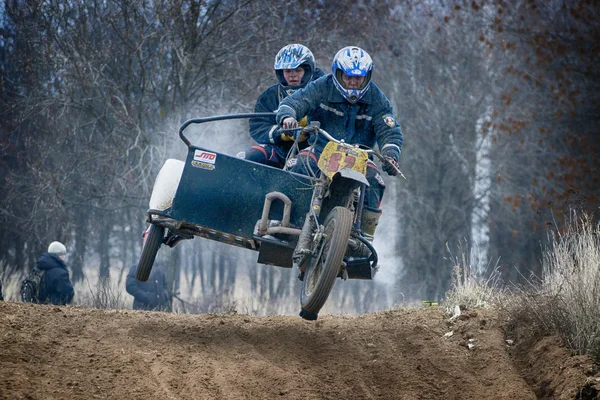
x: 498, y: 103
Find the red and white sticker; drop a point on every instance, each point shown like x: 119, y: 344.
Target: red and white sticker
x: 205, y: 156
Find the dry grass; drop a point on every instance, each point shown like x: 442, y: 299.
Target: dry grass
x: 218, y: 305
x: 11, y: 284
x: 471, y: 290
x: 566, y: 300
x: 104, y: 294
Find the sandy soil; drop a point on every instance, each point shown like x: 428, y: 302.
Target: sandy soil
x: 49, y: 352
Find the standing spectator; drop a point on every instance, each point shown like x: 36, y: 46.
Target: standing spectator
x: 55, y: 285
x: 152, y: 294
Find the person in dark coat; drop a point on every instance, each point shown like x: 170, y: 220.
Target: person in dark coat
x: 295, y: 68
x: 152, y: 294
x: 1, y: 298
x: 351, y: 108
x: 55, y: 286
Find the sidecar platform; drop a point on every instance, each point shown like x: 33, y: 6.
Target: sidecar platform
x: 222, y: 197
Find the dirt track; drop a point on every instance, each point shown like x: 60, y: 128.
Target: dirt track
x: 51, y: 352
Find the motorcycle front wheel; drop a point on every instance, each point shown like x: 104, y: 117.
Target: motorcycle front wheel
x: 153, y: 242
x: 326, y: 261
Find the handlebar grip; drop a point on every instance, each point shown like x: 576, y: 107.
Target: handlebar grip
x: 395, y: 165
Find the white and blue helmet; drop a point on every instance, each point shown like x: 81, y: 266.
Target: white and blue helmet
x: 293, y: 56
x: 352, y: 61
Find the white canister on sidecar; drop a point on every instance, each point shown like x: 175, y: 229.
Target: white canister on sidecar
x: 166, y: 184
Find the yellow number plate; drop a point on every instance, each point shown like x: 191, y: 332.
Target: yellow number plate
x: 335, y: 157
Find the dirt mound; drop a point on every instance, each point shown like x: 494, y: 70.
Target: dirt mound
x: 51, y: 352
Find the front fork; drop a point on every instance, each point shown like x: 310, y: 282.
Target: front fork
x: 303, y: 252
x: 359, y: 207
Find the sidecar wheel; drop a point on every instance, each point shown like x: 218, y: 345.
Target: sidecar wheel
x: 153, y: 242
x: 323, y: 269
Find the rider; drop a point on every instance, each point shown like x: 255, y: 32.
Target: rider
x: 350, y: 107
x: 294, y: 68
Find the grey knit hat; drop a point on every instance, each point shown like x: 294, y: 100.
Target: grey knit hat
x: 57, y: 248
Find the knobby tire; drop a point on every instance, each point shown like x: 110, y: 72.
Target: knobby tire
x: 338, y: 225
x: 153, y: 242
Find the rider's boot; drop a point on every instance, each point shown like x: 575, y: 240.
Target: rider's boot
x: 368, y: 222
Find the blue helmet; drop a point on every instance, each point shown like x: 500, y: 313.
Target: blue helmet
x: 352, y: 61
x: 293, y: 56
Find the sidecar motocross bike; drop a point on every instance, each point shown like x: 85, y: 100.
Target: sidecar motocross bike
x: 312, y: 223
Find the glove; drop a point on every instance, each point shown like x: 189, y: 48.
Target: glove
x: 289, y: 123
x: 392, y: 162
x: 298, y: 134
x: 287, y: 136
x: 302, y: 136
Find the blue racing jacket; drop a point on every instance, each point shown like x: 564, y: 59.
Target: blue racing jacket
x: 370, y: 120
x: 265, y: 130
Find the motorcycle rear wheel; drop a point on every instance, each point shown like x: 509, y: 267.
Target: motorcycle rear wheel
x: 153, y: 242
x: 324, y: 266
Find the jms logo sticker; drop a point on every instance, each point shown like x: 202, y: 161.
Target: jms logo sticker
x: 205, y: 156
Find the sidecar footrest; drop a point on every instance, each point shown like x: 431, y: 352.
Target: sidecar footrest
x: 275, y: 252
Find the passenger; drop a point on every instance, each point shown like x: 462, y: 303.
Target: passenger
x: 351, y: 107
x: 152, y: 294
x: 55, y: 285
x: 294, y: 68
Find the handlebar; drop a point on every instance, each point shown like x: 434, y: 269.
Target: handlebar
x: 315, y: 127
